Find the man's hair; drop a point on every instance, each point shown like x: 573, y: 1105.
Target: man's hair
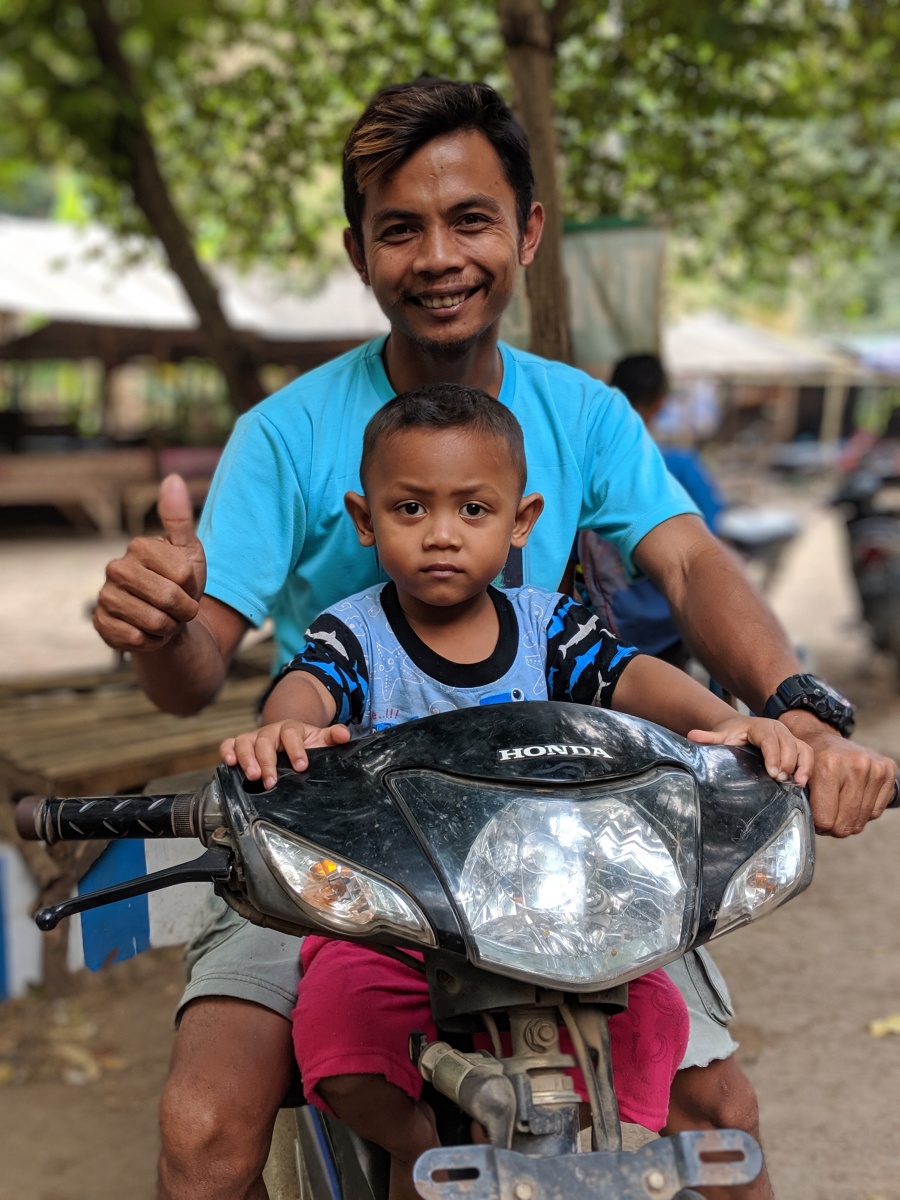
x: 641, y: 378
x: 444, y: 406
x: 400, y: 119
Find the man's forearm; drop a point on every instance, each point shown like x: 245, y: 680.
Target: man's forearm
x: 723, y: 619
x: 183, y: 676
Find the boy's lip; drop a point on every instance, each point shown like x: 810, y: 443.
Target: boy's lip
x: 442, y: 568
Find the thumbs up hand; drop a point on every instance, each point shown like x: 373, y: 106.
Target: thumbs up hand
x: 176, y: 511
x: 154, y: 590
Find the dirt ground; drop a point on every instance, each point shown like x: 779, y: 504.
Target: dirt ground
x: 79, y: 1079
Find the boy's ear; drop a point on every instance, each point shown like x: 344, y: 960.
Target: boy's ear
x: 530, y: 508
x: 358, y: 508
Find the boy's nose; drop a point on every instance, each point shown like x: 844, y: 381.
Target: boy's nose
x: 441, y: 533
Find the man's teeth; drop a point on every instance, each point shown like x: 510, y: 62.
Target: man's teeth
x: 443, y: 301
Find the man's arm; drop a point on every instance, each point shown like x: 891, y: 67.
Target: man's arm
x: 731, y: 629
x: 152, y: 605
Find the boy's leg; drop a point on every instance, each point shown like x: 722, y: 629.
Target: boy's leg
x: 710, y: 1091
x: 232, y: 1061
x: 383, y: 1113
x: 718, y: 1096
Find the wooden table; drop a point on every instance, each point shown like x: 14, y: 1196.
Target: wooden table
x: 61, y: 741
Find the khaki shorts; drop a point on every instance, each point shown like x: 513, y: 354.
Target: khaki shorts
x: 231, y: 957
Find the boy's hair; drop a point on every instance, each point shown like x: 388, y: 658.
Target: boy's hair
x: 641, y: 378
x: 400, y: 119
x: 445, y: 406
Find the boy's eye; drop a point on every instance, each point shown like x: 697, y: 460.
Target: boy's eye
x: 473, y: 509
x: 412, y: 508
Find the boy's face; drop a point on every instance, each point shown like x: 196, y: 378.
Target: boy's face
x: 441, y: 242
x: 443, y: 508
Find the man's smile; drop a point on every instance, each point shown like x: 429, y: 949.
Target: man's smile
x: 434, y: 300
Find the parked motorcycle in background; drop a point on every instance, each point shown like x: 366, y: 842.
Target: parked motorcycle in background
x: 873, y: 528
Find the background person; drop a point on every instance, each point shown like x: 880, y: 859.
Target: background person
x: 635, y: 608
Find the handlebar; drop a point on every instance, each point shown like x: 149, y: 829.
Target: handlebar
x: 109, y: 818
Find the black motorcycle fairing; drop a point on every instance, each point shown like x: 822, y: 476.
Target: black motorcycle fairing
x: 742, y: 809
x: 343, y: 802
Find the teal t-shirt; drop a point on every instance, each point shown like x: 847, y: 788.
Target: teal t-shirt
x: 279, y: 541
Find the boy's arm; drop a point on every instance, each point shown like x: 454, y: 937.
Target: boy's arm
x: 731, y: 629
x: 299, y: 695
x: 298, y: 713
x: 659, y: 692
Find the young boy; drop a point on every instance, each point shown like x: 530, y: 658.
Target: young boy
x: 443, y: 475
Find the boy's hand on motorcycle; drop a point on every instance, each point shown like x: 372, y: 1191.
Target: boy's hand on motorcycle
x: 785, y: 757
x: 155, y: 588
x: 256, y: 752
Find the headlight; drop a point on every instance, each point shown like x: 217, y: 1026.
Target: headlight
x: 337, y: 894
x: 773, y: 874
x: 579, y: 889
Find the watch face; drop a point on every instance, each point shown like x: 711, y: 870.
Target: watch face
x: 805, y: 691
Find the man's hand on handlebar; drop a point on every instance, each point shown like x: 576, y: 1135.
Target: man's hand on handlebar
x: 850, y: 785
x: 154, y: 590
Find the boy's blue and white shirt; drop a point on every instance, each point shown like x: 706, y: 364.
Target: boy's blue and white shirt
x: 380, y: 673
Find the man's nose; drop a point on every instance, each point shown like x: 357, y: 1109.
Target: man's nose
x: 438, y: 251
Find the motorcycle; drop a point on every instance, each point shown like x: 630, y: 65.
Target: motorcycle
x: 539, y: 856
x: 874, y: 540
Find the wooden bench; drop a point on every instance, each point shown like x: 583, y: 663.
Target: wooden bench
x: 195, y: 464
x: 80, y: 482
x: 61, y: 741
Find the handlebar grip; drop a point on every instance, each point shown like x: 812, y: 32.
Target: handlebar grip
x: 109, y: 818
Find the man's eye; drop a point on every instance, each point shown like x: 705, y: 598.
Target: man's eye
x: 473, y: 509
x: 412, y: 508
x: 473, y: 219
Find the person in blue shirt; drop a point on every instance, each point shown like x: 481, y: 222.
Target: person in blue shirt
x: 438, y: 193
x: 637, y: 609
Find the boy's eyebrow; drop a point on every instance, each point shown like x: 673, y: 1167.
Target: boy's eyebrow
x: 476, y: 200
x: 466, y: 489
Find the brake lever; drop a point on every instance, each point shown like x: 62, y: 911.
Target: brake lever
x: 214, y: 865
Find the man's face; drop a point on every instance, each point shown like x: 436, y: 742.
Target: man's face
x: 441, y: 243
x: 443, y: 507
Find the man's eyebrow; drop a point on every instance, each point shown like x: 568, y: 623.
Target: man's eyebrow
x: 477, y: 200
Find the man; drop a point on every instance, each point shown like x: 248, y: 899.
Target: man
x: 437, y: 188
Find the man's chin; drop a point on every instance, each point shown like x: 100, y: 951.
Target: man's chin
x: 446, y: 350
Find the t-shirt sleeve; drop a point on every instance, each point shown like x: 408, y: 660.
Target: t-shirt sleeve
x: 584, y: 660
x: 254, y: 520
x: 335, y: 657
x: 627, y: 489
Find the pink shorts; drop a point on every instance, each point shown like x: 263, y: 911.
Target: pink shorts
x: 356, y: 1009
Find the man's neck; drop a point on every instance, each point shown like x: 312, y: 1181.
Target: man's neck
x: 411, y: 365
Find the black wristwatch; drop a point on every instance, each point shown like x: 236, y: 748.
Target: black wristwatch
x: 805, y: 691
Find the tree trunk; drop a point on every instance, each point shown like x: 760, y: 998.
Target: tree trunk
x: 529, y: 33
x: 139, y: 167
